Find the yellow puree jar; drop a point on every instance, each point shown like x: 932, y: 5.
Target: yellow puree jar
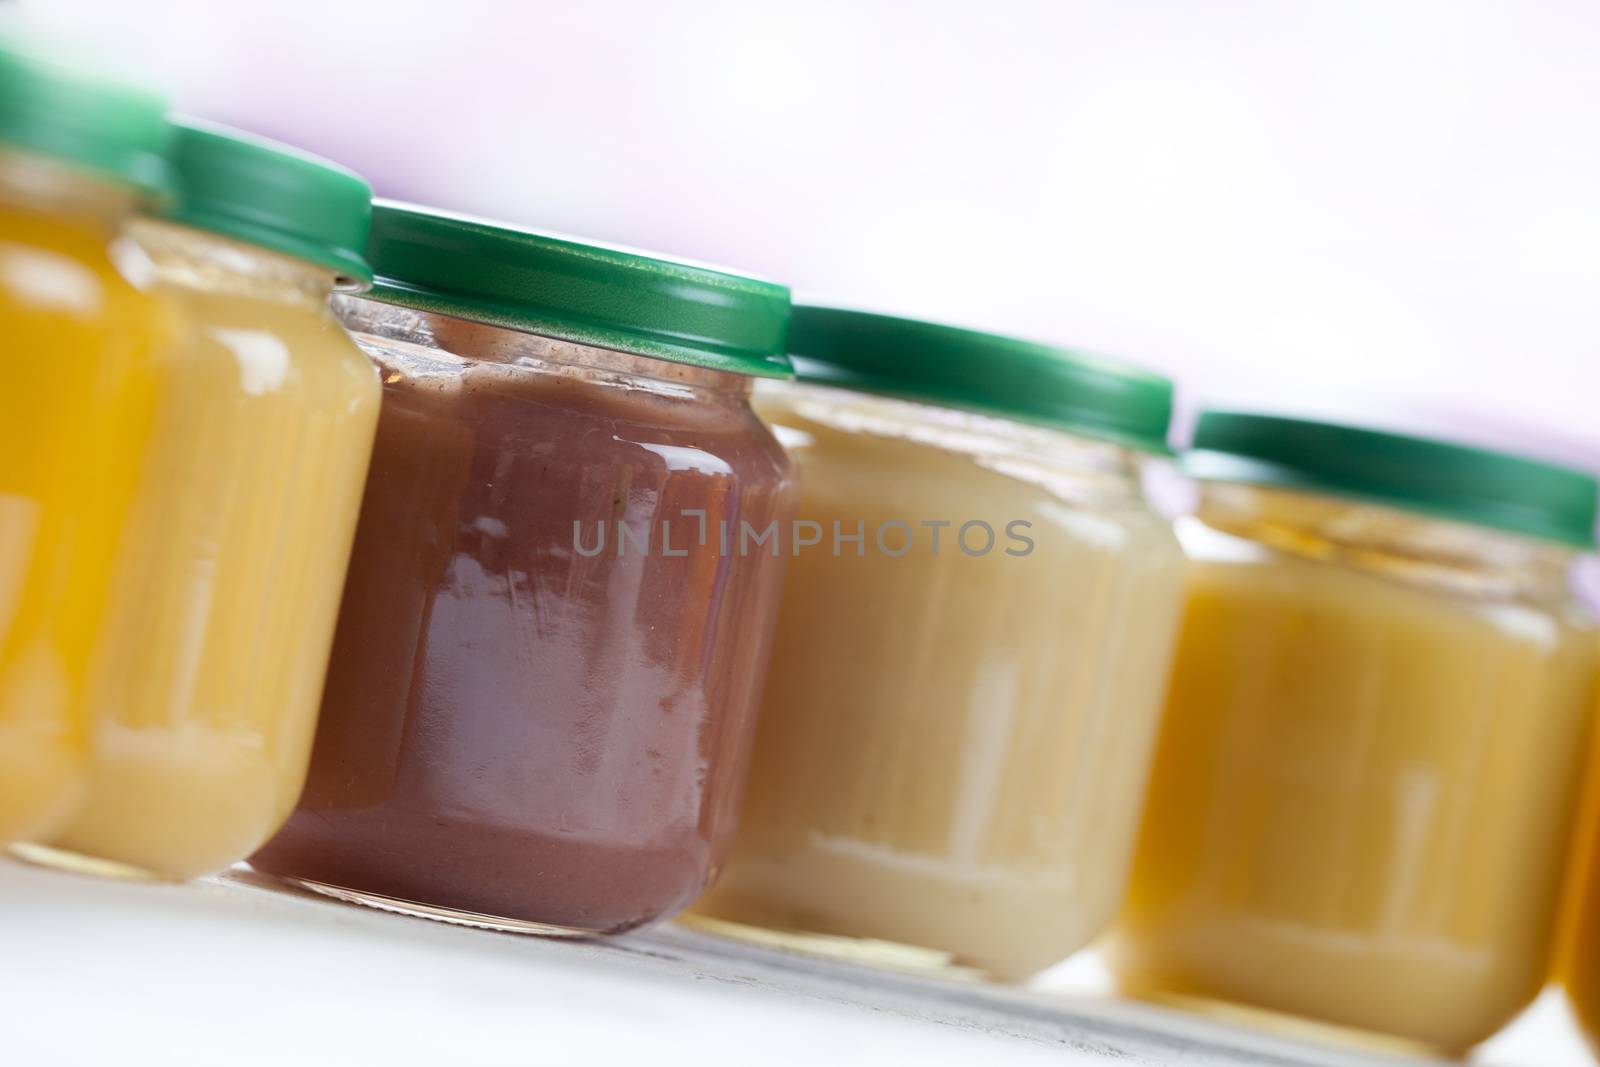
x: 210, y: 671
x: 85, y: 347
x: 1578, y: 944
x: 972, y: 643
x: 1371, y: 753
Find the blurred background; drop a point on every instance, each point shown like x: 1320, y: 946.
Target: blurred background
x: 1381, y: 210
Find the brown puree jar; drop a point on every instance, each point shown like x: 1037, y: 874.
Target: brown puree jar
x: 540, y: 701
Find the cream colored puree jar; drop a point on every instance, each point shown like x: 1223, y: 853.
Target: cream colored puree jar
x: 1372, y: 744
x: 961, y: 703
x: 205, y: 681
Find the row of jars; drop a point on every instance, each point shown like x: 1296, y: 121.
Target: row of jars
x: 436, y: 564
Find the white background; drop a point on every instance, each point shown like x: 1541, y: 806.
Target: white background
x: 1388, y: 209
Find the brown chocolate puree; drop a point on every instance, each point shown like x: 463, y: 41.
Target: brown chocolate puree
x: 511, y: 728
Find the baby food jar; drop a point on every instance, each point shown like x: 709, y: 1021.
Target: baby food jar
x: 207, y: 680
x: 85, y: 349
x: 1579, y: 949
x: 540, y: 701
x: 1381, y: 697
x: 972, y: 645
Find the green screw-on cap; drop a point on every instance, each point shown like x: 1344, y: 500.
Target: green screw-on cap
x: 274, y: 196
x: 1055, y: 387
x: 588, y: 293
x: 82, y: 119
x: 1434, y: 477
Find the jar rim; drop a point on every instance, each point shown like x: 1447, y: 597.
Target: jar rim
x: 83, y: 119
x: 469, y: 339
x: 577, y: 290
x: 1424, y: 475
x: 272, y: 196
x: 949, y: 366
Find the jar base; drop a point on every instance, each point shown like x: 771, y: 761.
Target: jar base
x: 884, y: 955
x: 1284, y: 1024
x: 63, y: 859
x: 417, y: 910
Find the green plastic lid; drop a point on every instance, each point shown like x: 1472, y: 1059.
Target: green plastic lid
x: 273, y: 196
x: 82, y: 119
x: 983, y: 372
x: 592, y: 294
x: 1450, y: 481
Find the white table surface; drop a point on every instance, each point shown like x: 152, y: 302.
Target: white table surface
x: 234, y: 971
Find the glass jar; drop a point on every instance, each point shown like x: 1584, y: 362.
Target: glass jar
x: 971, y: 650
x: 207, y: 679
x: 1578, y: 946
x: 87, y: 347
x: 1383, y: 688
x: 539, y: 706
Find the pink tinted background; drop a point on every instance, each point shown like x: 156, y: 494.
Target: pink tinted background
x: 1388, y: 211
